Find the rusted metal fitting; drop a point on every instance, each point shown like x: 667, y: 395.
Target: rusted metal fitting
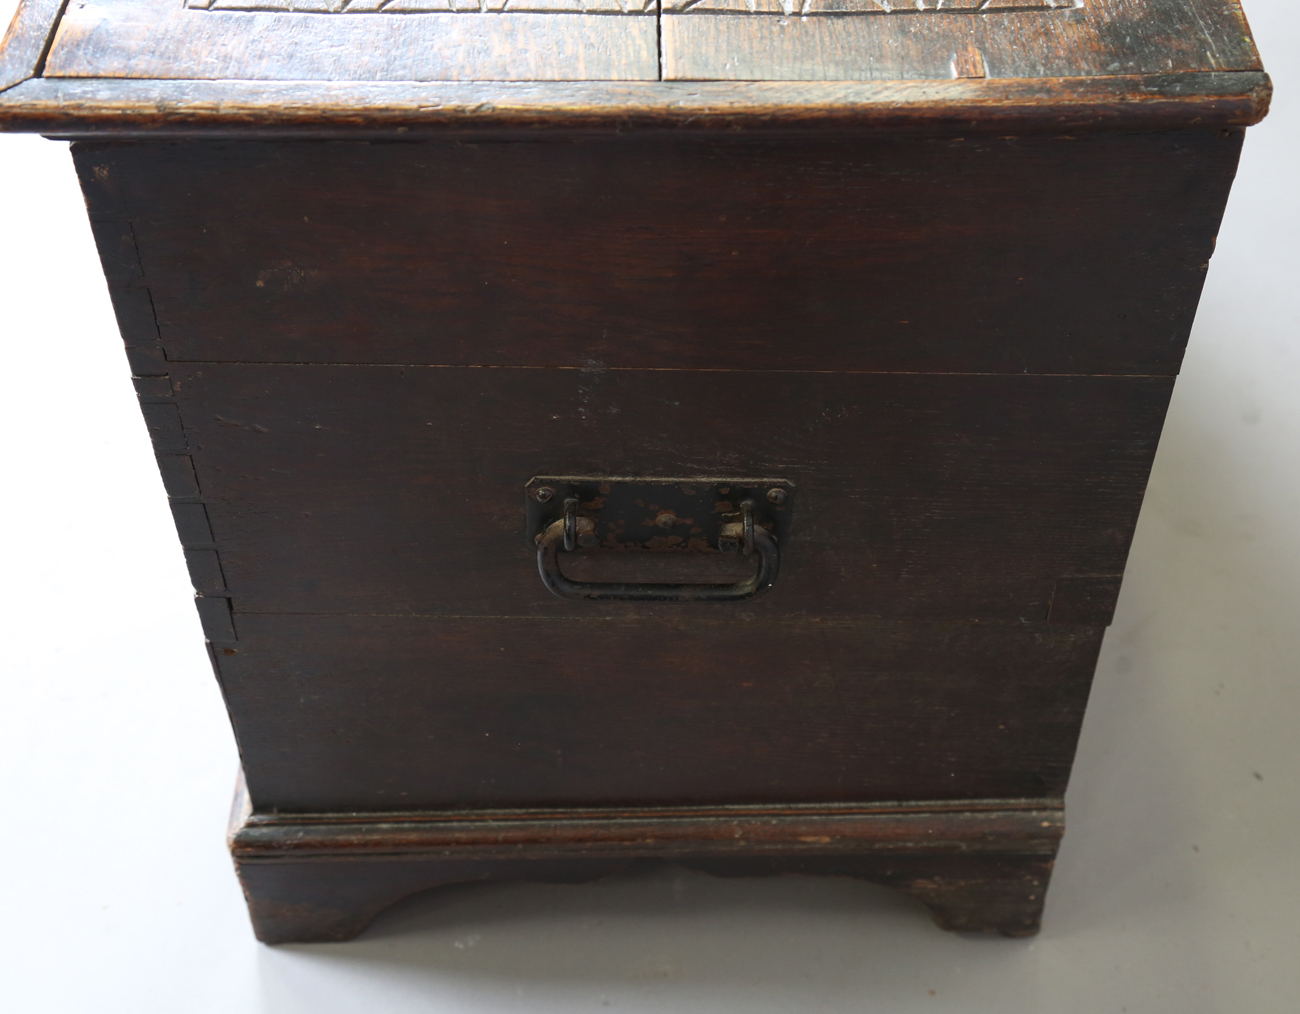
x: 570, y: 524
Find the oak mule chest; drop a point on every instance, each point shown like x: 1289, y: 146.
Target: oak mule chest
x: 610, y: 430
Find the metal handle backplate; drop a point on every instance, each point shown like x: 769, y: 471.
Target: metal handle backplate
x: 683, y: 516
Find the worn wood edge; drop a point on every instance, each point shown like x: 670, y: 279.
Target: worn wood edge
x: 241, y: 809
x: 27, y: 40
x: 1031, y: 826
x: 142, y: 108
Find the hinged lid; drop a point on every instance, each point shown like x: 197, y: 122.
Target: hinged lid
x: 394, y: 64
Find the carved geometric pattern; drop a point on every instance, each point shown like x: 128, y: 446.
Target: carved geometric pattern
x: 803, y: 8
x: 429, y: 6
x: 788, y: 8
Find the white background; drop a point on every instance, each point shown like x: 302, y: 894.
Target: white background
x: 1177, y: 887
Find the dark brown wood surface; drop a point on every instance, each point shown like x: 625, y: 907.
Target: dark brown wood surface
x: 979, y: 865
x: 721, y: 40
x: 971, y: 825
x: 935, y: 267
x: 933, y: 254
x: 297, y: 902
x: 353, y: 356
x: 335, y: 489
x: 159, y: 65
x: 150, y: 109
x: 26, y: 40
x: 339, y: 713
x: 164, y: 39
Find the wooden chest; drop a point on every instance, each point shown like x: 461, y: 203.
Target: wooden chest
x: 608, y: 430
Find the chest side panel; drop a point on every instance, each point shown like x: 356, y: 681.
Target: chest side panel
x: 354, y: 356
x: 335, y: 489
x: 337, y: 713
x: 980, y: 255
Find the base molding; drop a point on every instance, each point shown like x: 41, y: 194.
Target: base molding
x: 979, y: 865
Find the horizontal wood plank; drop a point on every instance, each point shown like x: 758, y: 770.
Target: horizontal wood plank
x: 1079, y: 255
x: 23, y: 46
x: 979, y: 864
x: 1099, y: 37
x: 400, y: 489
x: 72, y: 107
x: 381, y: 713
x: 161, y: 39
x: 992, y: 825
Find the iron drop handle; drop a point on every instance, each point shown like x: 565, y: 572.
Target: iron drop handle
x: 568, y: 530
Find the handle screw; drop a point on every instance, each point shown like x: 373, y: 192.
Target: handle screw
x: 776, y: 495
x: 543, y: 494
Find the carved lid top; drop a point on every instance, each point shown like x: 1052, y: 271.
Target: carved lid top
x: 342, y: 65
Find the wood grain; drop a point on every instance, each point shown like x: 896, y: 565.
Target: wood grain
x: 377, y: 713
x: 978, y: 865
x: 1101, y: 37
x: 24, y: 45
x: 993, y: 825
x: 127, y: 108
x: 161, y: 39
x: 866, y: 254
x: 298, y: 902
x: 935, y: 266
x: 964, y: 497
